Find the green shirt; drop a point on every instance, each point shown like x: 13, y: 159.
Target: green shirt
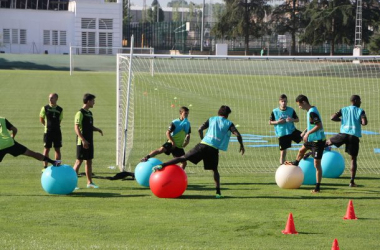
x: 53, y: 116
x: 6, y: 139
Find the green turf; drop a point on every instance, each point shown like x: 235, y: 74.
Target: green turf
x: 124, y: 215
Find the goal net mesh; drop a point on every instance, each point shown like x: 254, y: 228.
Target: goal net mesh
x: 250, y: 86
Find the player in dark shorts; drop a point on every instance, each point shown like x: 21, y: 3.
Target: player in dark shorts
x: 313, y: 137
x: 352, y: 118
x: 217, y: 137
x: 178, y: 135
x: 9, y: 146
x: 51, y: 116
x: 283, y: 119
x: 84, y: 128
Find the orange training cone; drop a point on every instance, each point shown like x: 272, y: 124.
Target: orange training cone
x: 290, y: 228
x: 335, y: 245
x: 350, y: 214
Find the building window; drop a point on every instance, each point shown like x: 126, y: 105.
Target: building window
x: 46, y: 37
x: 14, y: 36
x: 105, y: 24
x: 62, y: 37
x: 105, y: 40
x: 88, y: 23
x: 54, y: 39
x: 88, y: 42
x: 22, y: 36
x: 6, y: 36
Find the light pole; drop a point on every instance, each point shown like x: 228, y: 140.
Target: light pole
x: 203, y: 17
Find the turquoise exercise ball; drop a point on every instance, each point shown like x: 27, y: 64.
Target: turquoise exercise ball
x: 309, y: 171
x: 143, y: 171
x: 59, y: 180
x: 332, y: 164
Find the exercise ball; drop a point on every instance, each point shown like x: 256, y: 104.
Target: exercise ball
x: 169, y: 182
x: 332, y: 164
x: 143, y: 171
x: 289, y: 177
x: 309, y: 171
x: 59, y: 180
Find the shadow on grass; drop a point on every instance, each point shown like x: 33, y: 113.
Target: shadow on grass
x: 5, y: 64
x: 104, y: 195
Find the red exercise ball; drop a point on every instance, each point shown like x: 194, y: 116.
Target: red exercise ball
x: 169, y: 182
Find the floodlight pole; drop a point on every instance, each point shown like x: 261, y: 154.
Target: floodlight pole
x: 203, y: 19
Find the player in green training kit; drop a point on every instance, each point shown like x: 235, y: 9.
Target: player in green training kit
x: 217, y: 137
x: 9, y: 146
x: 178, y: 136
x: 283, y: 119
x: 352, y: 118
x: 51, y: 116
x: 313, y: 137
x: 84, y: 128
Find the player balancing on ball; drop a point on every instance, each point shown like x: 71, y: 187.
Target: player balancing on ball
x: 217, y: 137
x: 178, y: 136
x: 313, y: 137
x: 352, y: 118
x: 283, y: 119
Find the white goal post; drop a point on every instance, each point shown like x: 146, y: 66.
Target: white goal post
x: 251, y: 86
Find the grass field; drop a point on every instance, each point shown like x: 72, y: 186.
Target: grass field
x: 124, y: 215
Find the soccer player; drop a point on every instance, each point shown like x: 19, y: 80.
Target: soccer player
x: 84, y: 128
x: 217, y: 137
x: 313, y: 137
x: 283, y: 119
x: 51, y: 116
x: 352, y: 118
x: 8, y: 145
x: 178, y: 136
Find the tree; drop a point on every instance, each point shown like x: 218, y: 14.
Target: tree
x: 152, y: 14
x: 180, y: 3
x: 232, y: 25
x: 286, y: 18
x: 374, y: 44
x: 330, y: 20
x: 126, y: 17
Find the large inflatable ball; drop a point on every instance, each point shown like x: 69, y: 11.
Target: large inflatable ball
x: 143, y: 171
x: 59, y: 180
x: 309, y: 171
x: 289, y: 177
x: 332, y: 164
x: 169, y: 182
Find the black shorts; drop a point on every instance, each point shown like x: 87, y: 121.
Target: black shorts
x: 176, y: 152
x: 85, y: 154
x: 351, y: 141
x: 15, y: 150
x: 208, y: 154
x: 316, y: 148
x: 51, y: 138
x: 286, y: 140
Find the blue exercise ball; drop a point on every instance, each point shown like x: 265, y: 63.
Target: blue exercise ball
x: 143, y: 171
x: 309, y: 171
x: 332, y: 164
x: 59, y: 180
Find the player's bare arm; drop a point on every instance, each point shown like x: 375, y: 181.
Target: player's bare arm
x: 79, y: 134
x: 186, y: 141
x: 98, y: 130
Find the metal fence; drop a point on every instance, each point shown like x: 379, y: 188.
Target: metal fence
x: 186, y: 37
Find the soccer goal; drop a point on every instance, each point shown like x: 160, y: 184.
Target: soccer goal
x: 99, y: 58
x: 251, y: 86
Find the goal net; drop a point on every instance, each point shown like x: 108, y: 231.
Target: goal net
x: 251, y: 86
x: 99, y: 58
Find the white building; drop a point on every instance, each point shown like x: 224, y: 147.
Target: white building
x: 30, y: 29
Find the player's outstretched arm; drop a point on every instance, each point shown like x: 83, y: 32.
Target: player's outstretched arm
x: 186, y: 141
x: 201, y: 128
x: 240, y: 140
x: 336, y: 117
